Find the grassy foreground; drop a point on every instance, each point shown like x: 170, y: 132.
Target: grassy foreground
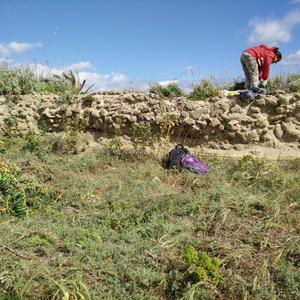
x: 104, y: 226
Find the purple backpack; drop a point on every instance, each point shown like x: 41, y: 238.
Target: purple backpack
x: 193, y: 164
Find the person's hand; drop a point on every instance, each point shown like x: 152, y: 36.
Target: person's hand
x: 264, y: 83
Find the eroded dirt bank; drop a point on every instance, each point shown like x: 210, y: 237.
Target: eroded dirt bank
x: 271, y: 124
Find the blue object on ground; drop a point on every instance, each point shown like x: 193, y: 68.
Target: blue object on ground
x: 250, y: 95
x: 247, y: 95
x: 260, y: 91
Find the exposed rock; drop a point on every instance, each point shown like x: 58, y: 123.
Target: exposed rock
x: 233, y: 125
x: 215, y: 122
x: 284, y: 99
x: 291, y: 131
x: 261, y: 121
x: 218, y: 122
x: 255, y: 110
x: 259, y: 102
x: 267, y: 137
x: 239, y: 147
x: 253, y: 136
x: 280, y: 109
x: 276, y: 118
x: 46, y: 113
x: 189, y: 121
x: 242, y: 137
x: 278, y: 131
x: 222, y: 127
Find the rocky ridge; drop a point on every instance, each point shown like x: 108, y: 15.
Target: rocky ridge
x: 217, y: 123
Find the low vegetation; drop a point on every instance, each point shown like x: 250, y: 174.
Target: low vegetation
x: 287, y: 83
x: 23, y: 81
x: 203, y: 90
x: 170, y: 90
x: 100, y: 225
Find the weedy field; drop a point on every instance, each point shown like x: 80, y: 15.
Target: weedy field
x: 111, y: 225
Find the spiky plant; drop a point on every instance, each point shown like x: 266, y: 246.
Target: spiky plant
x: 74, y: 81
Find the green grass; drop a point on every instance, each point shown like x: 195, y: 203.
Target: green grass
x: 22, y: 81
x: 170, y: 90
x: 203, y: 90
x: 120, y: 228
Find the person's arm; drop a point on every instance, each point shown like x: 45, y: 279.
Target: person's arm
x: 265, y: 71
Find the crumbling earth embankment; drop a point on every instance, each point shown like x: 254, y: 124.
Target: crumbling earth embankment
x: 216, y: 123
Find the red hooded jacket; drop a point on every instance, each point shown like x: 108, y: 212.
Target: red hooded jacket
x: 264, y: 56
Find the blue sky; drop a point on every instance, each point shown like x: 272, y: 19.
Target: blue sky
x: 115, y: 42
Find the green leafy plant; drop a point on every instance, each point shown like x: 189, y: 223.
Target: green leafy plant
x: 203, y: 90
x: 88, y: 100
x: 170, y: 90
x: 114, y: 146
x: 17, y: 193
x: 287, y: 277
x: 23, y: 81
x: 167, y: 124
x: 294, y: 82
x: 13, y: 197
x: 9, y: 82
x: 143, y: 135
x: 33, y: 142
x: 201, y: 266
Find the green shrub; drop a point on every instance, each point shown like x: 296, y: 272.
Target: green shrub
x: 202, y: 266
x: 22, y: 81
x: 53, y: 85
x: 88, y: 100
x: 287, y: 277
x: 294, y: 82
x: 9, y: 82
x: 170, y: 90
x: 191, y: 255
x: 17, y: 193
x: 142, y: 135
x: 203, y: 90
x: 33, y: 142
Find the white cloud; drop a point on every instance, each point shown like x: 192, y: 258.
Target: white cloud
x: 45, y: 71
x: 79, y: 66
x: 295, y: 1
x: 273, y: 31
x: 293, y: 59
x: 112, y: 81
x: 6, y: 50
x: 16, y: 47
x: 167, y: 82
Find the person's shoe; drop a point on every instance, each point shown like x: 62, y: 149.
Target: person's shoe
x: 260, y: 91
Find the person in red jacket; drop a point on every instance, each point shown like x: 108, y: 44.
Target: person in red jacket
x: 256, y: 63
